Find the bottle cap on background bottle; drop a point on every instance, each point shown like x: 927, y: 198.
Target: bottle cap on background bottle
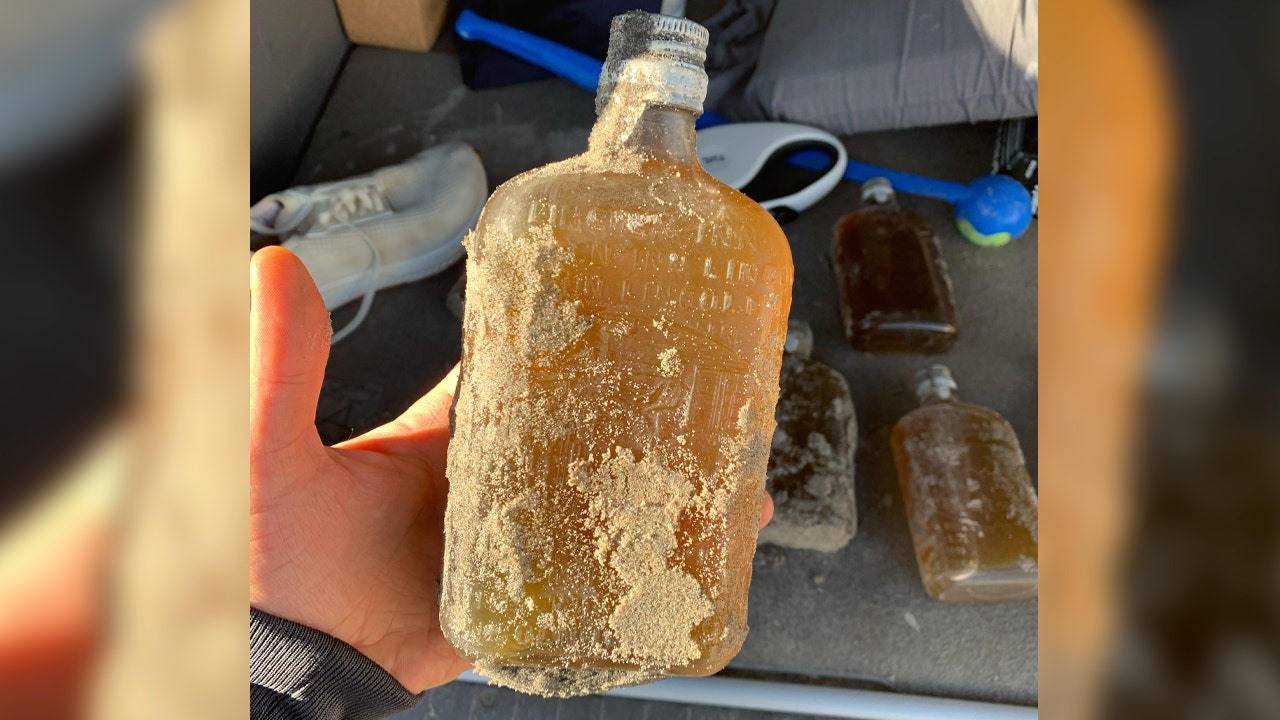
x: 799, y: 340
x: 877, y: 190
x: 670, y: 49
x: 934, y: 381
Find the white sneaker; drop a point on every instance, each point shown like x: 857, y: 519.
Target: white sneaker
x: 395, y: 225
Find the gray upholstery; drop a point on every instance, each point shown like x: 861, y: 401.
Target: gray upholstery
x: 852, y: 66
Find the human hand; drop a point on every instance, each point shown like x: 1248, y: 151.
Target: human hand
x: 345, y: 539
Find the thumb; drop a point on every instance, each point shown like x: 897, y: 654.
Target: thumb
x: 288, y: 347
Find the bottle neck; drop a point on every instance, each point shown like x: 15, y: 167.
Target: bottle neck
x: 666, y: 133
x: 935, y: 385
x: 937, y: 399
x: 890, y: 203
x: 648, y: 101
x: 878, y: 191
x: 661, y: 132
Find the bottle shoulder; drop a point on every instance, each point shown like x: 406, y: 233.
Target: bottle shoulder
x: 749, y: 213
x: 932, y: 433
x: 583, y: 191
x: 528, y: 184
x: 811, y: 379
x: 874, y: 221
x: 952, y: 412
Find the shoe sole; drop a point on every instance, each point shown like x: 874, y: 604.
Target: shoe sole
x: 399, y: 273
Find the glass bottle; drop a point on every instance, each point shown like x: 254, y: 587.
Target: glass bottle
x: 622, y: 340
x: 894, y: 289
x: 811, y: 459
x: 969, y: 501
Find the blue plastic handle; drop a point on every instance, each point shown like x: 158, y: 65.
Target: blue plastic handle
x: 577, y: 67
x: 860, y: 172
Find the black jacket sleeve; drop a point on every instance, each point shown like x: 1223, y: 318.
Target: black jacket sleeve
x: 298, y: 673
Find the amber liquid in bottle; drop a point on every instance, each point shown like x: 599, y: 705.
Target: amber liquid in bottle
x: 622, y: 340
x: 969, y: 501
x: 894, y: 289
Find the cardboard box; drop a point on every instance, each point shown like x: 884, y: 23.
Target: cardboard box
x: 399, y: 24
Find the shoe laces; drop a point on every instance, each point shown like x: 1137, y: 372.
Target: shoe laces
x: 337, y: 206
x: 371, y: 286
x: 345, y: 204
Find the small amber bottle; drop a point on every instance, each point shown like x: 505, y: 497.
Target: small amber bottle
x: 894, y: 289
x: 970, y: 505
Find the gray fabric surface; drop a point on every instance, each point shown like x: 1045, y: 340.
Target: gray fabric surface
x: 852, y: 66
x: 737, y: 34
x: 298, y: 673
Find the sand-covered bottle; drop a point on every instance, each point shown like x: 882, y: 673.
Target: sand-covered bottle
x: 811, y: 458
x: 895, y: 293
x: 622, y: 339
x: 970, y: 505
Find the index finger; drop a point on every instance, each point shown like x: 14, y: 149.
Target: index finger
x: 421, y: 432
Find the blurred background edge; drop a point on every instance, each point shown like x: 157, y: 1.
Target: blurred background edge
x: 1107, y: 125
x: 179, y: 567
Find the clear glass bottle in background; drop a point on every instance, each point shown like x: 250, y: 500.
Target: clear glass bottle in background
x: 970, y: 505
x: 622, y: 339
x: 895, y: 294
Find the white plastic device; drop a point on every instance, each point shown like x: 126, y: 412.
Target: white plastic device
x: 737, y: 153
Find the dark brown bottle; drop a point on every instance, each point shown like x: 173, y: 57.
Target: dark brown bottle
x: 894, y: 289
